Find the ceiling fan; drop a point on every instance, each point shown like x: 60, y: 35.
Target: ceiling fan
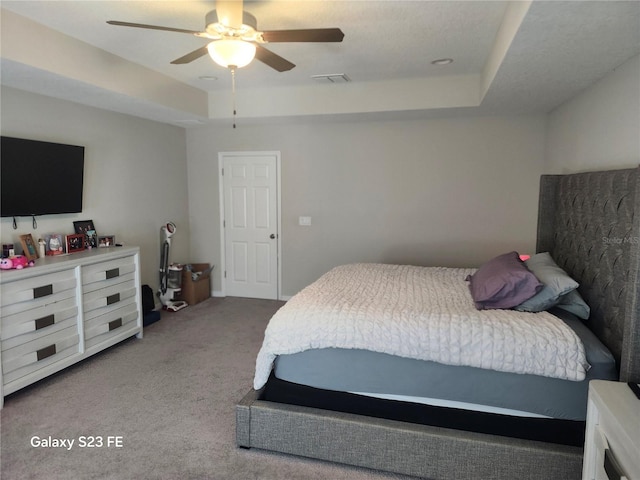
x: 236, y: 40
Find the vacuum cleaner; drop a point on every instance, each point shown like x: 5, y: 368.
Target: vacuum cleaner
x: 170, y: 274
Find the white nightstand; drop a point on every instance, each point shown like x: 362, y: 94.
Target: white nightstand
x: 612, y: 442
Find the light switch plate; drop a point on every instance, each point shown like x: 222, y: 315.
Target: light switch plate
x: 304, y: 221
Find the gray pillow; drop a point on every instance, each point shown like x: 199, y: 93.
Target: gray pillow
x: 574, y: 303
x: 502, y: 282
x: 555, y: 280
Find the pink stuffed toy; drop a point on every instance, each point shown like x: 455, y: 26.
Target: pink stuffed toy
x: 18, y: 262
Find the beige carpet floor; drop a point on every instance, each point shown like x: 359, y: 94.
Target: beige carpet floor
x: 166, y: 402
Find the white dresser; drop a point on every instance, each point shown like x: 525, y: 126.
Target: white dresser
x: 65, y: 309
x: 612, y: 443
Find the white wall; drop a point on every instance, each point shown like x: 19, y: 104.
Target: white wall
x: 448, y: 192
x: 599, y: 128
x: 135, y: 173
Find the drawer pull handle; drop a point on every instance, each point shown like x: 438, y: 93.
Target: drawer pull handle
x: 113, y: 273
x: 115, y: 324
x: 45, y: 321
x: 46, y: 352
x: 612, y: 467
x: 43, y: 291
x: 111, y: 299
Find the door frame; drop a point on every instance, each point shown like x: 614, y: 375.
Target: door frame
x: 223, y: 258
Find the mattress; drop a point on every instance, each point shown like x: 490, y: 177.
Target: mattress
x: 424, y: 313
x: 389, y: 376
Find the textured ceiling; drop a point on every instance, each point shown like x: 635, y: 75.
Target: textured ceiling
x: 530, y: 60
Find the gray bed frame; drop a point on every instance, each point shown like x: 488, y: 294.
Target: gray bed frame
x: 590, y: 223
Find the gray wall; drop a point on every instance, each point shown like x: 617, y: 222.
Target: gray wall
x: 449, y: 191
x: 600, y: 128
x: 135, y: 173
x: 452, y: 191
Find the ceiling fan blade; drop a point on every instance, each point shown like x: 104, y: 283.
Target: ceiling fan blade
x: 229, y: 12
x: 307, y: 35
x: 271, y: 59
x: 152, y: 27
x: 190, y: 57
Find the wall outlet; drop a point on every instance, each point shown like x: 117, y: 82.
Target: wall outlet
x: 304, y: 221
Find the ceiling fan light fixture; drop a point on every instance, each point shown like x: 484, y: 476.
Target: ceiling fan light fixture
x: 232, y: 52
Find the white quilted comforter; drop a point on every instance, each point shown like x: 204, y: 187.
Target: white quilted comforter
x: 423, y: 313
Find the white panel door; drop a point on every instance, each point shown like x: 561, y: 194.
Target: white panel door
x: 251, y: 224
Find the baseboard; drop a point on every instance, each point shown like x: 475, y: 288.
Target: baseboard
x: 219, y: 293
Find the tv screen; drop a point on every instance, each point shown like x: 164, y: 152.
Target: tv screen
x: 39, y: 178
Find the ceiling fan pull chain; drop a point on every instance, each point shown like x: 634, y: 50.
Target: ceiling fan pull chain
x: 233, y: 92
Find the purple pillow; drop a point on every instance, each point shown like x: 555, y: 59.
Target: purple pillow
x: 503, y: 282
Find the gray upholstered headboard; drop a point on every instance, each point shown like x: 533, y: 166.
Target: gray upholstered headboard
x: 590, y: 223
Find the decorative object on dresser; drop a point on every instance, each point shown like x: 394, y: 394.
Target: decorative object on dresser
x: 54, y: 244
x: 65, y: 310
x: 106, y: 241
x: 86, y: 228
x: 75, y: 242
x: 29, y: 248
x: 8, y: 250
x: 612, y: 440
x: 15, y: 261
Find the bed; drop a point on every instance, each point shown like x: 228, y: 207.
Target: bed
x: 587, y: 223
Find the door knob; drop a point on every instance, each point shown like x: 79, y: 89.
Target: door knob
x: 273, y: 235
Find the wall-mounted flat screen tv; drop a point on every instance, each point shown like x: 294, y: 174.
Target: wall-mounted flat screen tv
x: 40, y: 178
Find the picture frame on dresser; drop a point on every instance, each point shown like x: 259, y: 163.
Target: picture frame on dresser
x: 87, y: 228
x: 75, y: 242
x: 29, y: 249
x: 106, y: 240
x: 54, y: 244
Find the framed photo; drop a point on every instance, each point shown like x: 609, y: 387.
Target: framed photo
x: 75, y: 243
x: 106, y: 240
x: 86, y: 228
x: 54, y: 244
x: 29, y: 248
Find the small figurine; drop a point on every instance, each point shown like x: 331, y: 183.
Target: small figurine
x: 17, y: 261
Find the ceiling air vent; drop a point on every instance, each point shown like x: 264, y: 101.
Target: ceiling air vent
x: 331, y: 78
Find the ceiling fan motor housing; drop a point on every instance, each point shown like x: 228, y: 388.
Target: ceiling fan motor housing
x: 246, y: 31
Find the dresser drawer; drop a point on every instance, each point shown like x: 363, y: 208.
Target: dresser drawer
x: 33, y: 292
x: 92, y: 287
x: 21, y: 327
x: 38, y: 353
x: 607, y: 463
x: 113, y: 323
x: 100, y: 301
x: 113, y: 271
x: 612, y: 439
x: 36, y: 308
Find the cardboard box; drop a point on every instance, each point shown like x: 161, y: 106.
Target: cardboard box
x: 196, y: 291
